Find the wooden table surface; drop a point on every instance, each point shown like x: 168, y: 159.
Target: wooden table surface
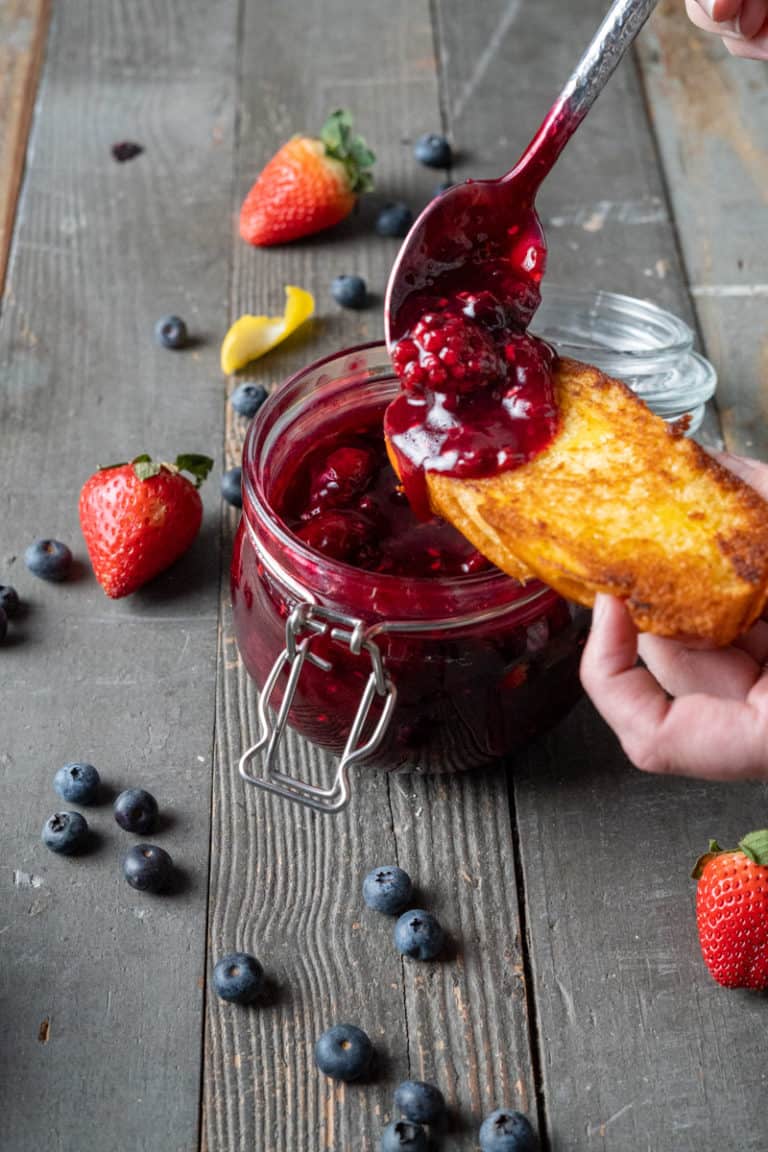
x: 576, y: 991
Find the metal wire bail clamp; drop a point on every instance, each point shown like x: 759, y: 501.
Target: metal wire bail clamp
x: 304, y: 625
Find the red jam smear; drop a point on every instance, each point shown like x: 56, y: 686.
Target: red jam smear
x: 343, y: 500
x: 478, y: 394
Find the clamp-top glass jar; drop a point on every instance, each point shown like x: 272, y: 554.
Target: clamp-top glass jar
x: 427, y: 673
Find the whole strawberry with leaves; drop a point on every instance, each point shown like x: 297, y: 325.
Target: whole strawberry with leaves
x: 138, y: 518
x: 732, y: 911
x: 310, y: 184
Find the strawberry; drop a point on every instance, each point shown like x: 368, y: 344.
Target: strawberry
x: 138, y: 518
x: 732, y: 911
x: 310, y: 184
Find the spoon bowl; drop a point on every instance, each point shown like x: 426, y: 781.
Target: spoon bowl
x: 485, y: 235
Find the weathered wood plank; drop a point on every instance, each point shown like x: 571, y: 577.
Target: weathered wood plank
x: 638, y: 1048
x: 286, y: 882
x: 101, y: 250
x: 710, y: 115
x: 23, y: 27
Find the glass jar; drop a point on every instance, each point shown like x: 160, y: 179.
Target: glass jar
x: 632, y: 340
x: 429, y: 674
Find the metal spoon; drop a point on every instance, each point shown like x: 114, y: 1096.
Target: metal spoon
x: 485, y: 234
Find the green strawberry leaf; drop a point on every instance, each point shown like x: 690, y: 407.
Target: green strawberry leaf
x: 340, y: 143
x: 197, y: 466
x: 755, y: 846
x: 145, y: 468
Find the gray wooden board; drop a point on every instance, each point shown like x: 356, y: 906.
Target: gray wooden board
x: 287, y: 882
x: 639, y: 1048
x: 101, y: 986
x: 710, y: 113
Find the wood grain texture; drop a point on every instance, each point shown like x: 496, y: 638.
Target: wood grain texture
x: 638, y: 1047
x: 286, y: 882
x: 23, y: 27
x: 101, y: 987
x: 710, y: 115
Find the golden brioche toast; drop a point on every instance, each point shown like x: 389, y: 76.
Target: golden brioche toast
x: 620, y: 502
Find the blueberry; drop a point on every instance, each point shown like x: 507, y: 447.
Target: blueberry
x: 65, y: 832
x: 394, y: 220
x: 48, y: 559
x: 419, y: 935
x: 387, y: 889
x: 9, y: 601
x: 344, y: 1052
x: 148, y: 868
x: 232, y: 487
x: 77, y: 783
x: 136, y: 811
x: 507, y: 1131
x: 403, y: 1136
x: 419, y: 1101
x: 433, y: 150
x: 3, y: 625
x: 350, y: 291
x: 171, y: 332
x: 248, y: 398
x: 238, y: 978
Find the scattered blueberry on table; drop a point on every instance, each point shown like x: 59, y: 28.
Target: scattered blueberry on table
x: 77, y: 783
x: 136, y: 811
x: 507, y: 1131
x: 48, y: 559
x: 9, y: 601
x: 350, y: 291
x: 3, y: 625
x: 433, y: 150
x: 148, y: 868
x: 171, y: 332
x: 404, y: 1136
x: 394, y: 220
x: 421, y: 1102
x: 232, y: 487
x: 238, y: 978
x: 344, y: 1052
x: 65, y: 833
x: 419, y: 935
x: 387, y: 889
x: 126, y: 150
x: 248, y: 398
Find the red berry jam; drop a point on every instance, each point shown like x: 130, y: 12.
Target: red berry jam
x: 478, y: 396
x: 343, y: 499
x: 479, y: 663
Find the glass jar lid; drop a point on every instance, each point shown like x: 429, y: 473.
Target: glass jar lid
x: 648, y: 348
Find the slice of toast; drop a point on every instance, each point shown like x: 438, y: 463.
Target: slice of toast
x: 620, y: 502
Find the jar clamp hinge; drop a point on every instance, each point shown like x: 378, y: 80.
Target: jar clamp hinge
x: 304, y: 625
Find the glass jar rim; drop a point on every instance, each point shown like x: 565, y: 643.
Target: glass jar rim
x: 256, y: 498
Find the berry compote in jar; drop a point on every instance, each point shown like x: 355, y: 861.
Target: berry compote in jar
x: 370, y: 618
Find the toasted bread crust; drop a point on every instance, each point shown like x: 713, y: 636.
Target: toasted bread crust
x: 621, y: 503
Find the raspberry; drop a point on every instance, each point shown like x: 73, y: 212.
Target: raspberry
x: 447, y: 352
x: 346, y: 472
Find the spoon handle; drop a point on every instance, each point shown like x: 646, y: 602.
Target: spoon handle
x: 619, y: 28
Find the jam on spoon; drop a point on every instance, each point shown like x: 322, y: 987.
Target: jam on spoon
x: 478, y: 394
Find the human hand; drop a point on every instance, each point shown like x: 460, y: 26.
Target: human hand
x: 715, y: 725
x: 742, y: 24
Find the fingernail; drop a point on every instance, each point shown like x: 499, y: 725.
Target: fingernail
x: 708, y: 6
x: 599, y: 607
